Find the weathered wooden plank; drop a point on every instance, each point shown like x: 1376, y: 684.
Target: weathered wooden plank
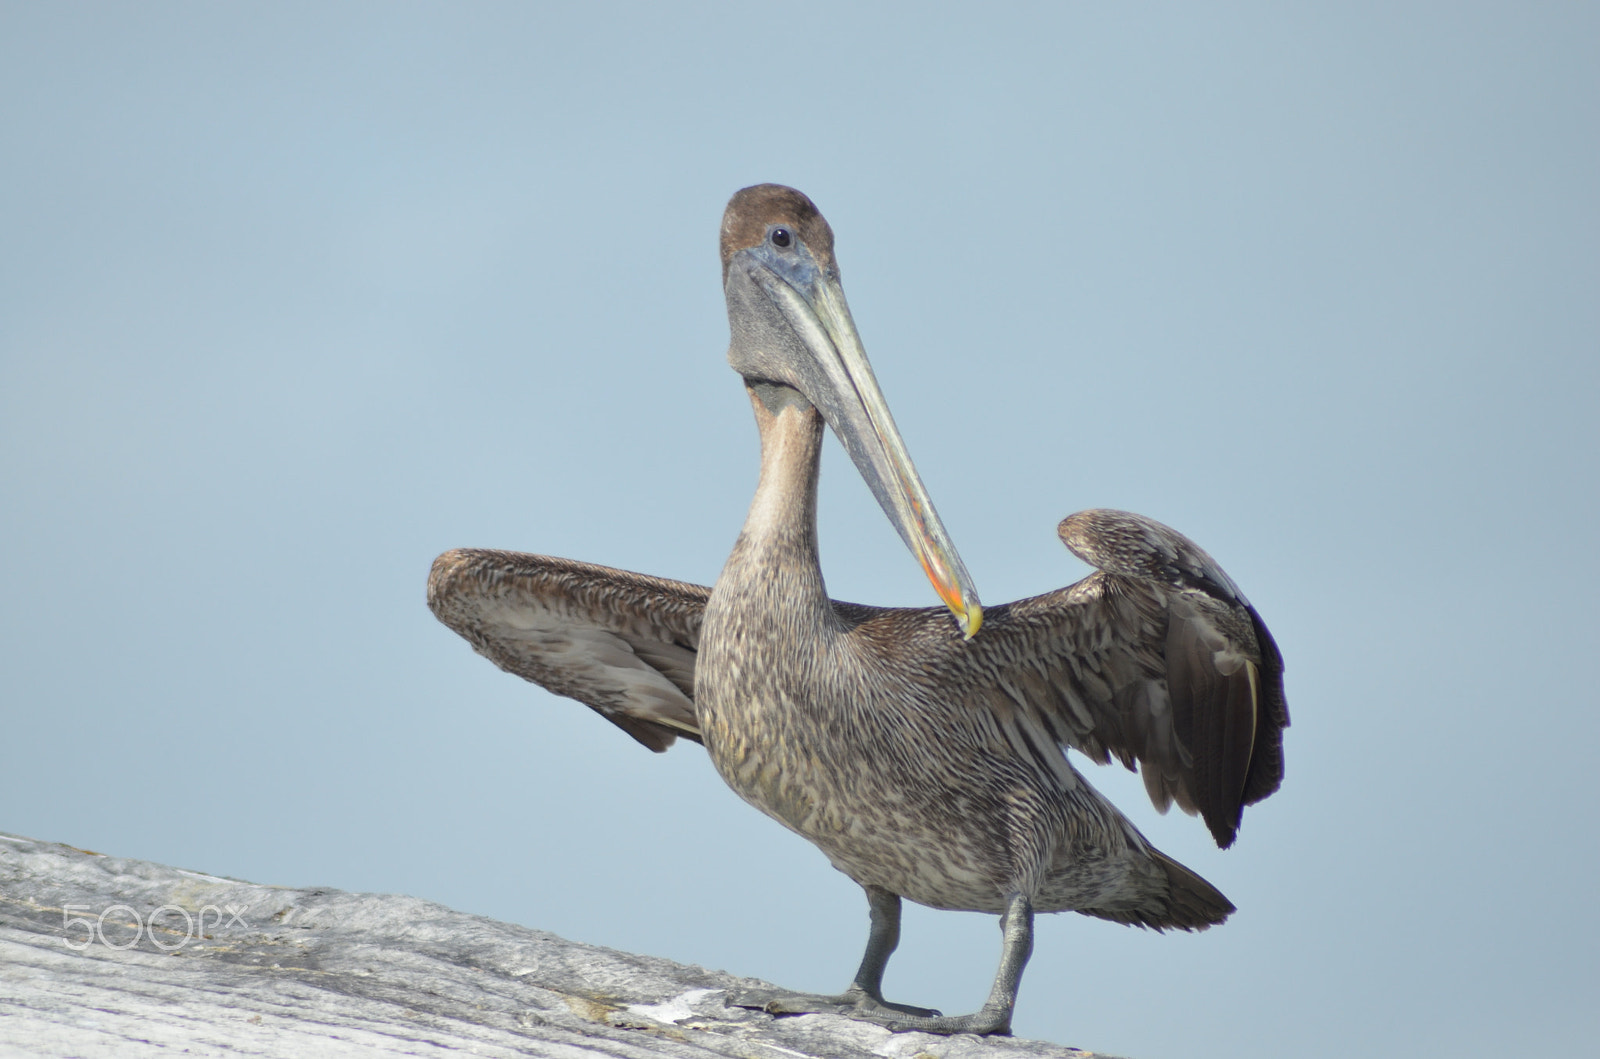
x: 105, y: 956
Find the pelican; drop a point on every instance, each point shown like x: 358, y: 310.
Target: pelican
x: 922, y: 750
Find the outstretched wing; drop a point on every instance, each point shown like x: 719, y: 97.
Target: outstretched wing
x: 621, y: 643
x: 1158, y: 659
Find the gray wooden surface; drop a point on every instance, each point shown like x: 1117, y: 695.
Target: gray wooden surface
x: 104, y: 956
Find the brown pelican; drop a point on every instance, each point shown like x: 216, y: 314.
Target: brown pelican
x: 924, y: 754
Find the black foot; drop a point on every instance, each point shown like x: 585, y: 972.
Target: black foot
x: 985, y: 1021
x: 853, y: 1003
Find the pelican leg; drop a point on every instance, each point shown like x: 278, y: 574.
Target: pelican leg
x: 1016, y: 931
x: 864, y: 998
x: 882, y: 940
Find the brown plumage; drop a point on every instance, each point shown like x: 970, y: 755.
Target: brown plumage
x: 920, y: 749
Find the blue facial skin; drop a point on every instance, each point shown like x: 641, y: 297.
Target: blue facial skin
x: 795, y: 262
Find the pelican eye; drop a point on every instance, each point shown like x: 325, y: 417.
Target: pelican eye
x: 780, y: 237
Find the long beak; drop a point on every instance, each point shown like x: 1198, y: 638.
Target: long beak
x: 838, y: 380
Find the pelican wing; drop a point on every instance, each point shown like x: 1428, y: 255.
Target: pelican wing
x: 1158, y: 659
x: 622, y: 643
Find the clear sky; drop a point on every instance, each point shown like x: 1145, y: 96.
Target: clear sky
x: 295, y: 296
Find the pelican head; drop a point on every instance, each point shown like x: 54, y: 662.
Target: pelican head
x: 791, y: 327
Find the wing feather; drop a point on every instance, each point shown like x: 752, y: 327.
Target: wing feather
x: 1157, y: 659
x: 622, y: 643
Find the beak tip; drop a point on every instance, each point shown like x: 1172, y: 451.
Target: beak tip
x: 971, y: 620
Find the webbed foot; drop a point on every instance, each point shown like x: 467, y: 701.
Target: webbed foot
x: 852, y: 1003
x: 986, y: 1020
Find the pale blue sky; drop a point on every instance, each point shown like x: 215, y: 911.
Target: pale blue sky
x: 294, y: 297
